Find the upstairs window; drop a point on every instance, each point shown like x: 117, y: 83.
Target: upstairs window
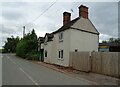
x: 61, y: 36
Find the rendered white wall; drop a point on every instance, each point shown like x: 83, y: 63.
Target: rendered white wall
x: 48, y: 48
x: 65, y: 46
x: 84, y: 24
x: 42, y: 46
x: 83, y: 41
x: 72, y: 39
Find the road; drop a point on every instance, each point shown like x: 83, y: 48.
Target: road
x: 0, y: 69
x: 18, y: 71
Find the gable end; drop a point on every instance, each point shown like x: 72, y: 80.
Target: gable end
x: 84, y: 30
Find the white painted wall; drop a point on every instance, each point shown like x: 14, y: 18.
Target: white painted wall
x: 83, y: 41
x: 53, y: 48
x: 72, y: 39
x: 42, y: 45
x: 84, y: 24
x: 48, y: 47
x: 65, y: 46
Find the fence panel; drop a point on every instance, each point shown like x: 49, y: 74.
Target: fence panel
x: 105, y: 63
x: 99, y: 62
x: 81, y: 61
x: 96, y: 62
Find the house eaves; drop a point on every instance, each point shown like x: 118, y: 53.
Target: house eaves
x: 83, y: 30
x: 71, y: 23
x: 67, y: 26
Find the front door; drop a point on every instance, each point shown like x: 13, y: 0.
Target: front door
x: 42, y: 55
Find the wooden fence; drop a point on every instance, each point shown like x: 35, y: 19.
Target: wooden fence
x: 105, y: 63
x: 80, y: 61
x: 98, y: 62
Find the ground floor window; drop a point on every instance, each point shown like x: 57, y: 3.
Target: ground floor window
x: 45, y: 53
x: 60, y: 54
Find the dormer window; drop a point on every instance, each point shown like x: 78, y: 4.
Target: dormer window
x: 61, y: 36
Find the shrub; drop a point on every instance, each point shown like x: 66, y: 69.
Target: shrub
x: 36, y: 56
x: 21, y: 49
x: 33, y: 55
x: 27, y: 47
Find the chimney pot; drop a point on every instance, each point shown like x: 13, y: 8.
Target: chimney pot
x: 66, y: 17
x: 83, y: 11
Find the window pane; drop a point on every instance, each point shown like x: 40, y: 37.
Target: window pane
x: 61, y: 53
x: 61, y: 35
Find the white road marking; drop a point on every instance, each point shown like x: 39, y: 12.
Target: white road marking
x: 29, y: 76
x: 23, y: 71
x: 12, y: 61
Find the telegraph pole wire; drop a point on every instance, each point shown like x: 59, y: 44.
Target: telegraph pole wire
x: 41, y: 13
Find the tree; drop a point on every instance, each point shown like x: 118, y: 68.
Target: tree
x: 28, y: 45
x: 21, y: 49
x: 10, y: 44
x: 117, y: 40
x: 104, y: 41
x: 112, y: 40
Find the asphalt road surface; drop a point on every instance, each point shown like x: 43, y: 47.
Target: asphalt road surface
x: 18, y: 71
x: 0, y: 69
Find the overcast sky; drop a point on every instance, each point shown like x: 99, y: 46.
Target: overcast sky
x: 14, y: 15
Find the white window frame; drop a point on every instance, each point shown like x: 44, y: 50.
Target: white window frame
x: 60, y: 36
x: 60, y: 54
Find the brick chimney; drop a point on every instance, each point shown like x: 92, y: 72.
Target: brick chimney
x: 83, y: 11
x: 66, y: 17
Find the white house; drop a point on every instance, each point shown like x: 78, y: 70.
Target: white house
x: 75, y: 35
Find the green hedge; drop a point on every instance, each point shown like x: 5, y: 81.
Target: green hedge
x: 21, y: 49
x: 33, y: 55
x: 27, y: 47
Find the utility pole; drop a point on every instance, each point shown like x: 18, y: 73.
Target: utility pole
x: 23, y: 31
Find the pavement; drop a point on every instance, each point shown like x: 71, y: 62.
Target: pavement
x: 93, y: 78
x: 18, y: 71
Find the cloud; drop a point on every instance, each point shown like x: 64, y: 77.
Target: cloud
x: 60, y: 0
x: 13, y: 4
x: 105, y: 17
x: 104, y: 37
x: 9, y: 30
x: 12, y: 15
x: 15, y: 15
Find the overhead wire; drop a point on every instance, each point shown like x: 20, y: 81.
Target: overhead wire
x: 41, y: 13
